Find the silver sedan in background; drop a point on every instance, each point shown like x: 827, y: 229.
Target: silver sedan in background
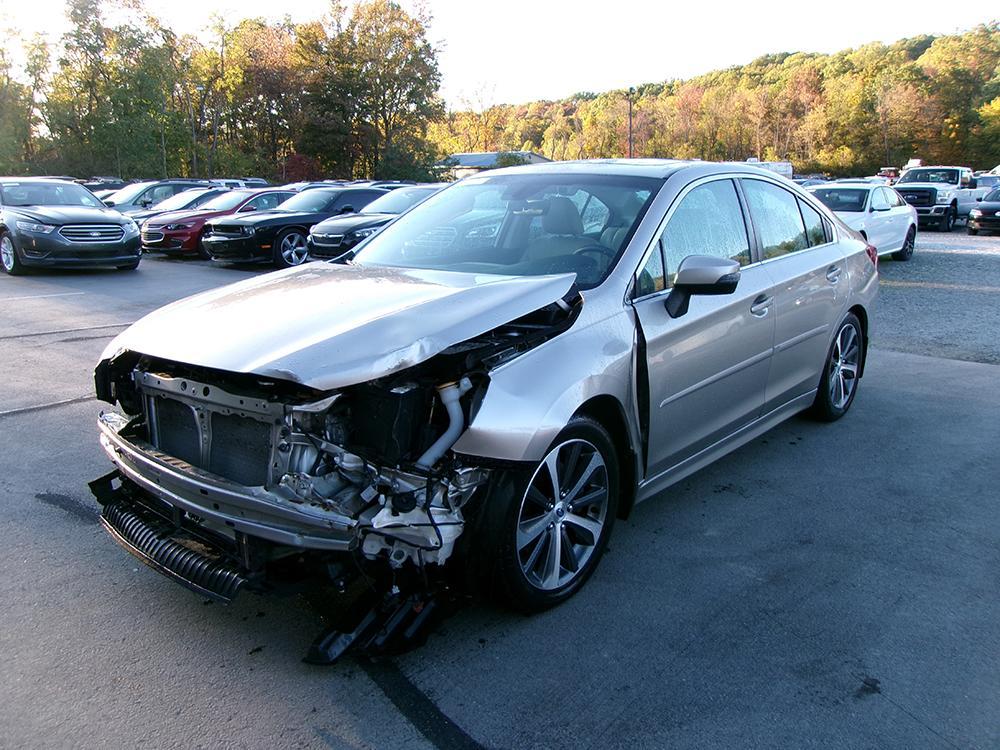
x: 494, y: 378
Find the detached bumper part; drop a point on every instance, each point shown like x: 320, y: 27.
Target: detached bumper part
x: 167, y: 546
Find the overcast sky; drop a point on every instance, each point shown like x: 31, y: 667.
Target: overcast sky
x: 519, y: 50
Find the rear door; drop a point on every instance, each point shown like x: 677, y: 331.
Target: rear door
x: 706, y: 371
x: 809, y: 286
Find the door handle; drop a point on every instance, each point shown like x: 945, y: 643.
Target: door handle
x: 833, y: 274
x: 761, y: 305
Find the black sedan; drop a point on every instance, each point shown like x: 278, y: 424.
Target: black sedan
x: 279, y: 235
x: 49, y: 223
x: 334, y: 237
x: 985, y: 217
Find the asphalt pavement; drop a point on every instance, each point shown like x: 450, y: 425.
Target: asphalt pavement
x: 824, y: 586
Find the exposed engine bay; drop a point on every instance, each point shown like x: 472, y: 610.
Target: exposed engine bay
x: 261, y: 469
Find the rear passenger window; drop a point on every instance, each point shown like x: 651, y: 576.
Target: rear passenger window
x: 815, y: 233
x: 707, y: 221
x: 776, y: 215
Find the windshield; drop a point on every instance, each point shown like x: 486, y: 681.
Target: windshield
x: 47, y: 194
x: 993, y: 196
x: 398, y: 200
x: 945, y: 176
x: 310, y: 200
x: 128, y: 193
x: 225, y: 201
x: 181, y: 200
x: 519, y: 225
x: 842, y: 199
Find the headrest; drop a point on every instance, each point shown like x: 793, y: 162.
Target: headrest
x: 562, y: 217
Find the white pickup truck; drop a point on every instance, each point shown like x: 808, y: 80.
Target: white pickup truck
x: 940, y: 194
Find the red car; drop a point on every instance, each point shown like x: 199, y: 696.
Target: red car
x: 180, y: 231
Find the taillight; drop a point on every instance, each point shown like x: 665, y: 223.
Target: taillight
x: 872, y: 253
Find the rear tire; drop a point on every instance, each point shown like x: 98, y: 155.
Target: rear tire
x: 906, y: 251
x: 10, y: 262
x: 541, y: 545
x: 838, y: 385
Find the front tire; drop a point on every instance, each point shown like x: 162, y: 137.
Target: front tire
x: 130, y: 266
x: 290, y: 249
x: 972, y: 231
x: 948, y: 220
x: 906, y: 251
x: 838, y: 384
x: 545, y: 528
x: 9, y: 260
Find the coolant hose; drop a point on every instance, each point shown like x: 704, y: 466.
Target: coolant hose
x: 450, y: 394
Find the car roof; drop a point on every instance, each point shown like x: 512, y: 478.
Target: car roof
x: 658, y: 168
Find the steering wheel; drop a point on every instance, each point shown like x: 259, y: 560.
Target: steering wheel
x: 605, y: 252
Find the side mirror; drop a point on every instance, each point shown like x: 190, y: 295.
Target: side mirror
x: 109, y: 204
x: 701, y: 274
x: 973, y: 184
x: 247, y: 208
x: 347, y: 210
x: 146, y: 202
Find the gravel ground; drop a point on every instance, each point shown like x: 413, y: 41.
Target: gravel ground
x: 944, y: 301
x: 824, y: 586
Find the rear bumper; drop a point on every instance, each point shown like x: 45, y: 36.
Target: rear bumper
x: 218, y: 504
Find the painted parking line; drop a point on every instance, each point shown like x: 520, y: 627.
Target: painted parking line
x: 938, y: 285
x: 41, y: 296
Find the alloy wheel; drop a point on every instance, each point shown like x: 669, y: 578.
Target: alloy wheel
x: 294, y: 249
x: 7, y: 253
x: 562, y: 514
x: 844, y: 362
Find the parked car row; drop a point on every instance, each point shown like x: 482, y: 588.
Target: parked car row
x: 183, y: 216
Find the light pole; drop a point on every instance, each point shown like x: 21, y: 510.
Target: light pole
x: 631, y: 93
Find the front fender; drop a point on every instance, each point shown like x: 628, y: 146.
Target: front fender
x: 530, y: 399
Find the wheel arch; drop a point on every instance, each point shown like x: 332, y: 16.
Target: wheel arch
x: 861, y: 314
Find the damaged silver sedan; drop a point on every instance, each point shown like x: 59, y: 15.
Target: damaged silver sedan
x: 485, y: 385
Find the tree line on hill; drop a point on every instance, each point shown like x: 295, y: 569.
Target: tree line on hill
x: 356, y: 94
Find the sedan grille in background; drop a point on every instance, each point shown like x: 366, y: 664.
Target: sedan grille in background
x: 240, y: 447
x: 227, y: 230
x: 918, y: 196
x: 92, y: 232
x: 151, y: 236
x: 328, y: 240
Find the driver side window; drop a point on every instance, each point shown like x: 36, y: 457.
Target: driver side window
x: 707, y: 221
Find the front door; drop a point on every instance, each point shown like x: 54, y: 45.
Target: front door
x: 706, y: 370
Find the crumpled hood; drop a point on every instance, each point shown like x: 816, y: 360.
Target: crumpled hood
x: 327, y: 326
